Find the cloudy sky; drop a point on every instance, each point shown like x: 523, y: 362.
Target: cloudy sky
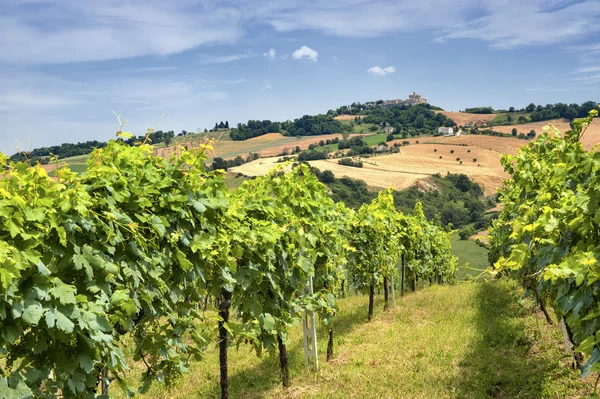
x: 66, y: 64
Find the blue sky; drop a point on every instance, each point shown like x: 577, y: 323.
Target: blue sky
x: 66, y: 64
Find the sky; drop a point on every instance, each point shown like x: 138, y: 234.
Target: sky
x: 66, y: 65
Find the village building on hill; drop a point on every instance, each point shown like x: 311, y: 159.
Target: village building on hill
x: 413, y: 99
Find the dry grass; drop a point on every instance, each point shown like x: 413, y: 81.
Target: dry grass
x: 416, y: 162
x: 504, y: 145
x: 347, y: 117
x: 267, y: 145
x: 462, y: 118
x: 561, y: 124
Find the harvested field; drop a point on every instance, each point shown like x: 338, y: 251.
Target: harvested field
x: 462, y: 118
x: 267, y: 145
x: 347, y: 117
x: 505, y: 145
x: 561, y: 124
x: 415, y: 163
x: 591, y: 137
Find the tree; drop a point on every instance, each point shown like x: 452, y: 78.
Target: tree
x: 509, y: 118
x: 511, y: 109
x: 522, y: 119
x: 531, y: 133
x: 571, y: 113
x: 226, y: 124
x: 514, y: 131
x: 221, y: 125
x: 216, y: 126
x: 466, y: 232
x: 530, y: 107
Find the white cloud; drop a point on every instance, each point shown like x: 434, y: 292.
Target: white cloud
x: 377, y: 70
x: 588, y: 69
x: 271, y: 54
x: 306, y: 53
x: 224, y: 58
x: 532, y: 22
x: 64, y: 31
x: 70, y: 31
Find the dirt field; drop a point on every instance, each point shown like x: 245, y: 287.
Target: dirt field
x: 503, y: 145
x: 416, y: 162
x: 561, y: 124
x: 483, y: 236
x: 347, y: 117
x: 462, y: 118
x: 591, y: 137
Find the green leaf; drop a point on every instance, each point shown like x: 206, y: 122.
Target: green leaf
x: 32, y: 312
x: 55, y: 317
x: 85, y: 362
x: 267, y: 322
x: 64, y: 293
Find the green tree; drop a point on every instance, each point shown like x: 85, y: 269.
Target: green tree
x: 514, y: 131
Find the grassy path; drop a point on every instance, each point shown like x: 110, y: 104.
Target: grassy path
x: 472, y: 340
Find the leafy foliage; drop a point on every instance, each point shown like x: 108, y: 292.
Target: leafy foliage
x: 547, y: 233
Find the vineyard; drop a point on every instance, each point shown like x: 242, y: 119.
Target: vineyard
x: 118, y: 280
x: 131, y: 253
x: 548, y: 232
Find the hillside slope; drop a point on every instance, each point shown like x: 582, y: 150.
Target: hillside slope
x: 472, y: 340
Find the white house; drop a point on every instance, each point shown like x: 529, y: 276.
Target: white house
x: 446, y: 131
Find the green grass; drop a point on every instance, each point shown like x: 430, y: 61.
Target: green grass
x: 472, y: 340
x: 500, y: 119
x: 468, y: 252
x: 232, y: 181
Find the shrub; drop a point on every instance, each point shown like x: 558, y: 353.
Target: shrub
x: 458, y: 159
x: 466, y: 232
x: 474, y: 159
x: 350, y: 162
x: 435, y: 150
x: 468, y: 150
x: 451, y: 151
x: 440, y: 157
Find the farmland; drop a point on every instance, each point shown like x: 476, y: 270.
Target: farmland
x: 462, y: 118
x: 415, y: 162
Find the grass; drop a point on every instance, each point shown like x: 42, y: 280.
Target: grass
x: 232, y: 181
x: 473, y: 340
x: 500, y: 119
x: 468, y: 253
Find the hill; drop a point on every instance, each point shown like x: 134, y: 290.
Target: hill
x: 416, y: 162
x: 471, y: 340
x: 463, y: 118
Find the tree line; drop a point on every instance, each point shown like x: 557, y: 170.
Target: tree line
x: 67, y: 150
x: 542, y: 112
x: 128, y: 253
x: 305, y: 126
